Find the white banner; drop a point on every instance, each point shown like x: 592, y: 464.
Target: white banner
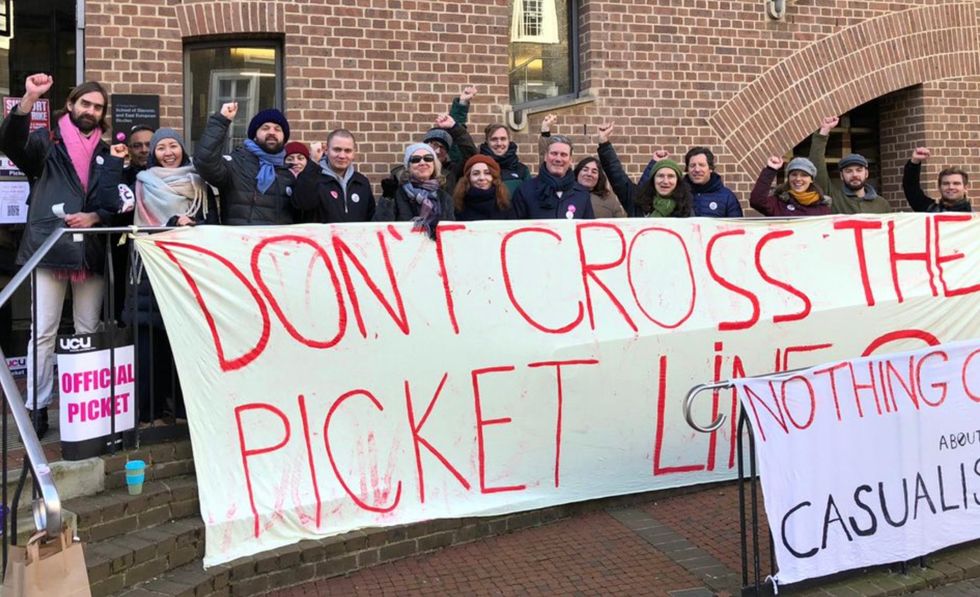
x: 869, y: 461
x: 342, y: 377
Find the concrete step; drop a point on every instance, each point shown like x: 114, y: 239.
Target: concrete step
x: 169, y: 459
x: 126, y: 560
x: 115, y: 512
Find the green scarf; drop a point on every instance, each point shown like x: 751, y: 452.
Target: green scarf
x: 663, y: 207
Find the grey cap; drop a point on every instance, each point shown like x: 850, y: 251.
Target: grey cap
x: 440, y: 135
x: 803, y: 165
x: 852, y: 159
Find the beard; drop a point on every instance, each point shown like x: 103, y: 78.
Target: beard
x: 271, y: 145
x: 854, y: 185
x: 83, y: 122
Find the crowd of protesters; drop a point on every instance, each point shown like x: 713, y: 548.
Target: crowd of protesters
x: 79, y: 181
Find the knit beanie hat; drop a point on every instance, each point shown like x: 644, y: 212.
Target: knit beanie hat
x: 482, y: 159
x: 440, y: 135
x: 416, y: 147
x: 668, y: 163
x: 160, y: 135
x: 852, y: 159
x: 297, y: 147
x: 803, y: 165
x: 268, y: 115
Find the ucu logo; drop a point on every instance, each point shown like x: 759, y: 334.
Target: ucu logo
x: 75, y: 343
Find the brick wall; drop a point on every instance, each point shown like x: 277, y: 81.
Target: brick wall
x: 670, y: 75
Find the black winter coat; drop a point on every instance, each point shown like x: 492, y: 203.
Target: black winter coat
x: 43, y: 157
x: 332, y: 203
x: 233, y: 175
x: 407, y: 208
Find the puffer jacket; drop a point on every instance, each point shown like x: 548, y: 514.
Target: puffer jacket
x: 43, y: 158
x: 240, y: 202
x: 783, y: 205
x: 713, y: 199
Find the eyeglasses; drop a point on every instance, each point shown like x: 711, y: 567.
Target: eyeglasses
x: 415, y: 159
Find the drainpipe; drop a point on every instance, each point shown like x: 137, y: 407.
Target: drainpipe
x: 79, y: 42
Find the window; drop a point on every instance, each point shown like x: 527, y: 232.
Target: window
x: 543, y: 50
x: 857, y: 132
x: 215, y: 74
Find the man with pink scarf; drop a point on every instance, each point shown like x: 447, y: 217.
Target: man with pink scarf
x: 74, y: 183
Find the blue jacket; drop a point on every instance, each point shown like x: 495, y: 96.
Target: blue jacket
x: 725, y: 202
x: 533, y: 201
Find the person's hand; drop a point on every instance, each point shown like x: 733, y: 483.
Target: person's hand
x: 388, y: 187
x: 445, y: 121
x: 316, y: 151
x: 185, y: 221
x: 549, y: 120
x: 119, y: 150
x: 467, y: 94
x: 660, y: 154
x: 82, y: 220
x: 37, y: 85
x: 775, y: 162
x: 229, y: 110
x: 920, y: 154
x: 828, y: 123
x: 605, y: 131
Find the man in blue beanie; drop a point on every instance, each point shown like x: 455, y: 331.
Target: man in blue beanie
x: 255, y: 186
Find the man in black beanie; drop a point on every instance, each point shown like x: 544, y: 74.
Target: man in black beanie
x: 255, y: 186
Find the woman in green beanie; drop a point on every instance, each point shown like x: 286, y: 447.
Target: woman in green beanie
x: 663, y: 195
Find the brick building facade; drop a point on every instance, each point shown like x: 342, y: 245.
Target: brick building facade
x: 720, y: 73
x: 715, y: 72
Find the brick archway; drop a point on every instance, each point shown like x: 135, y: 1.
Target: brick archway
x: 197, y: 19
x: 845, y: 70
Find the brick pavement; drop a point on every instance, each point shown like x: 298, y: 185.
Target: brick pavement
x: 681, y: 546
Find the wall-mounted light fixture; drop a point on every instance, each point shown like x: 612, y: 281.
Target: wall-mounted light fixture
x: 776, y: 9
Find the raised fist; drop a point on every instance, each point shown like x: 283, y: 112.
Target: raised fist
x: 549, y: 120
x: 316, y: 152
x: 660, y: 154
x: 920, y: 154
x: 467, y: 94
x: 828, y: 123
x: 775, y: 162
x: 37, y: 85
x: 229, y: 110
x: 445, y: 121
x: 605, y: 131
x: 119, y: 150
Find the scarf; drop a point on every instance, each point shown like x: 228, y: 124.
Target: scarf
x: 80, y: 148
x: 267, y: 164
x: 426, y: 194
x: 508, y: 161
x: 806, y: 197
x: 552, y: 186
x: 163, y: 193
x: 663, y: 207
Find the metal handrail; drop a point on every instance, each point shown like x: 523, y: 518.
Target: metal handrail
x: 720, y: 385
x: 47, y: 507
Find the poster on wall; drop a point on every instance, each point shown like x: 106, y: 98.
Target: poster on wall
x: 40, y: 115
x: 131, y: 110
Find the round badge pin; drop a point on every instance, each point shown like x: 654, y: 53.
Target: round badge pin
x: 355, y: 197
x: 99, y: 160
x: 791, y: 207
x: 334, y: 194
x: 713, y: 205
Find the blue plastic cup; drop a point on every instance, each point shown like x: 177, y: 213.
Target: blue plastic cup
x: 135, y: 475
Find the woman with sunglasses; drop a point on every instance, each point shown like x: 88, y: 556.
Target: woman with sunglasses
x: 419, y: 197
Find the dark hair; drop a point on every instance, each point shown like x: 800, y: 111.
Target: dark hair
x: 340, y: 133
x: 601, y: 185
x: 463, y: 187
x: 492, y: 128
x: 681, y: 195
x: 140, y: 127
x: 78, y: 92
x: 950, y: 171
x: 697, y: 151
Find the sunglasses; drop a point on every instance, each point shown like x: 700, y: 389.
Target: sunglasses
x: 415, y: 159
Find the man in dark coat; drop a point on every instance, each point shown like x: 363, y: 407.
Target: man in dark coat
x: 954, y: 183
x: 255, y: 186
x: 339, y: 192
x: 75, y: 180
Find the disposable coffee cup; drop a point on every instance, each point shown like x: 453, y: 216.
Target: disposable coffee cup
x: 135, y: 474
